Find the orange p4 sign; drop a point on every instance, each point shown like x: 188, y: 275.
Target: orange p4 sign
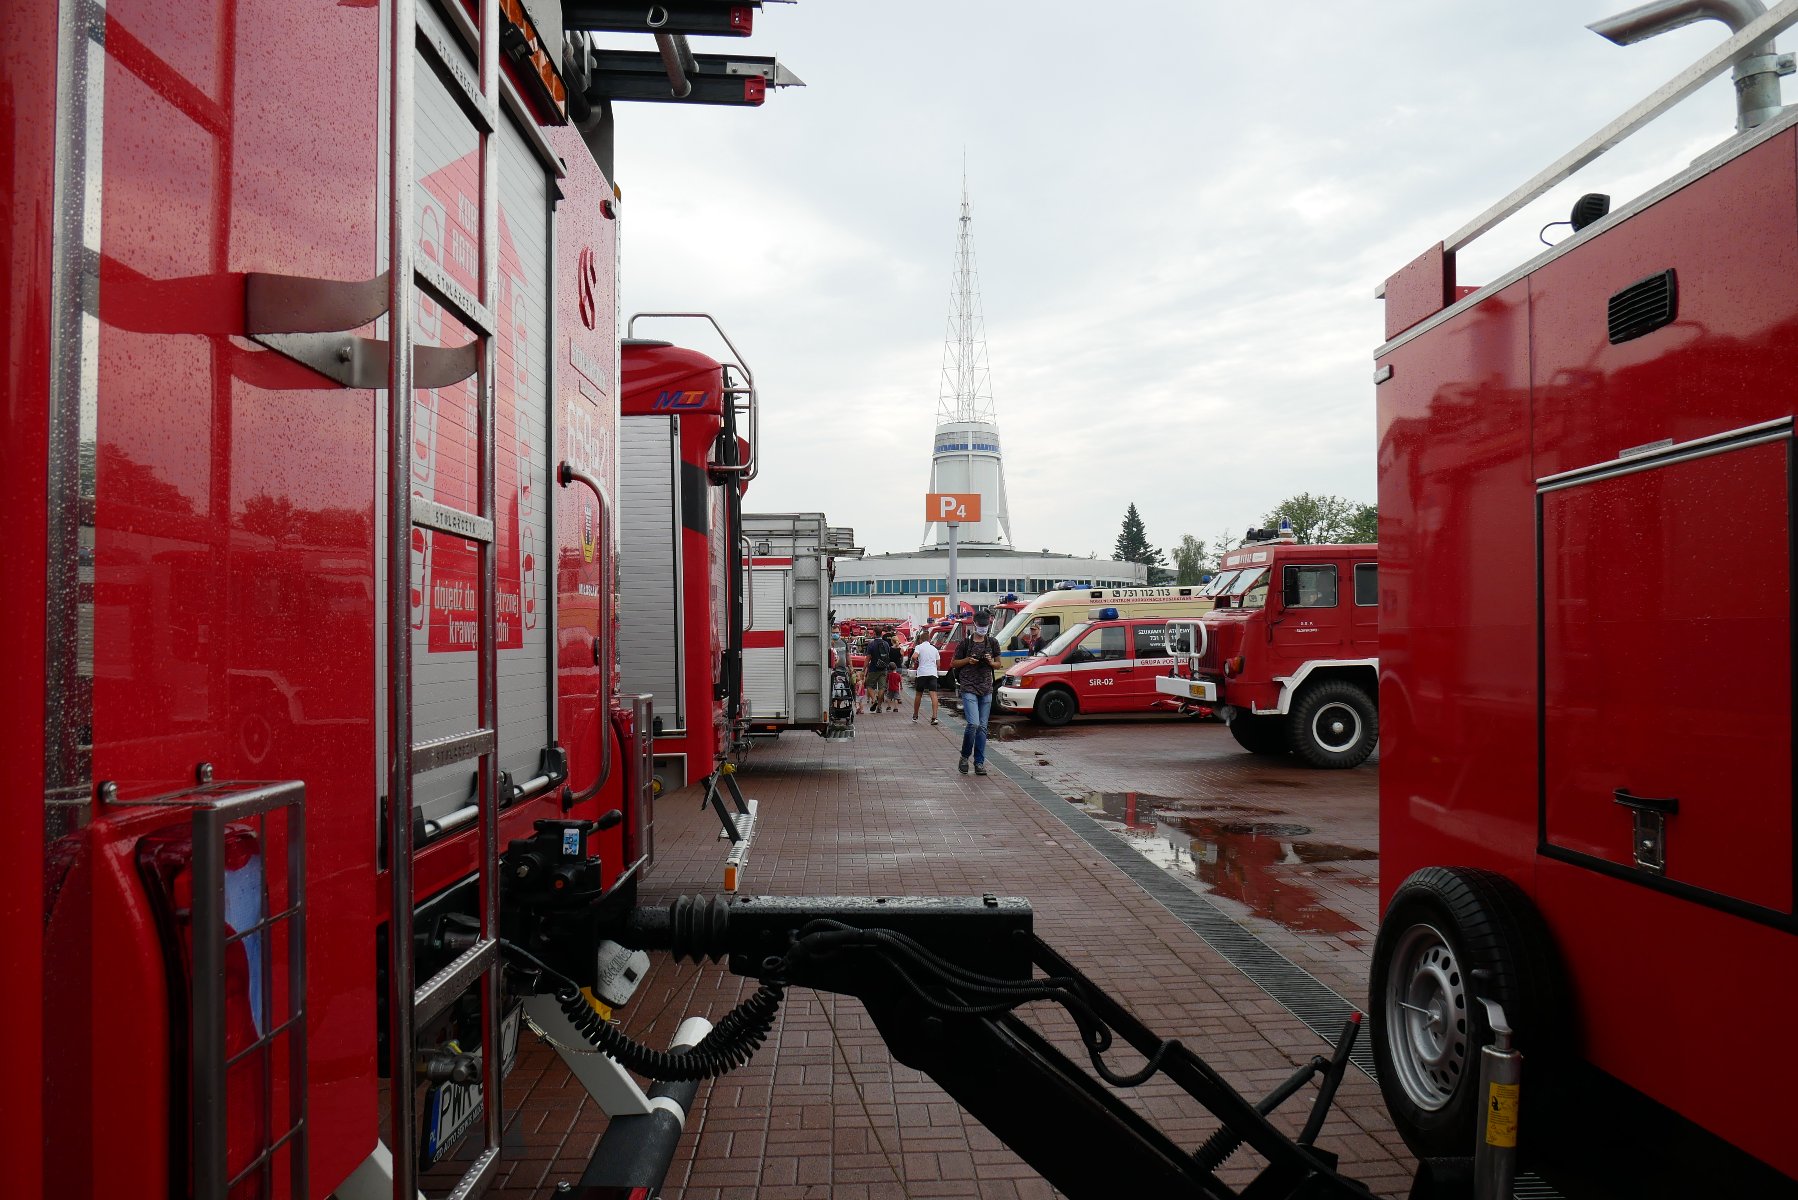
x: 952, y: 506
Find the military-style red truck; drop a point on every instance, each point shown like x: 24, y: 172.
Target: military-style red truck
x: 1289, y: 657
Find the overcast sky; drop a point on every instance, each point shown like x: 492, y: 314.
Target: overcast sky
x: 1180, y: 220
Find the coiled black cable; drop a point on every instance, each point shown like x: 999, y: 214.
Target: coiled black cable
x: 732, y: 1042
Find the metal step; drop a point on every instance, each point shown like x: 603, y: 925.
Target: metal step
x: 442, y: 988
x: 457, y: 747
x: 478, y: 1177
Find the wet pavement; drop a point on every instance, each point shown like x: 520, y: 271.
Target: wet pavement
x: 1291, y: 853
x: 824, y: 1112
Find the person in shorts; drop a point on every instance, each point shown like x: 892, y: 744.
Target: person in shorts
x: 876, y: 683
x: 928, y: 660
x: 895, y: 683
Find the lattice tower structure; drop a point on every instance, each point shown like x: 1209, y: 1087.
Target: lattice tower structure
x: 965, y: 451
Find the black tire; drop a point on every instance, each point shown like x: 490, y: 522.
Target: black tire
x: 1260, y: 735
x: 1446, y: 925
x: 1334, y: 725
x: 1055, y: 706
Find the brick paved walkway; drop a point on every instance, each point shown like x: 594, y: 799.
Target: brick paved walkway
x: 1290, y: 853
x: 823, y: 1112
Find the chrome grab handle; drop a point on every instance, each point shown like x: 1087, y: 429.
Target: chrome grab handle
x: 566, y: 474
x: 747, y: 572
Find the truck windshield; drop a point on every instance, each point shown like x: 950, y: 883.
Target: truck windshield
x: 1252, y: 587
x: 1067, y: 639
x: 1219, y: 582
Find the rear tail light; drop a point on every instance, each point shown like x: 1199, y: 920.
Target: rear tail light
x: 165, y: 860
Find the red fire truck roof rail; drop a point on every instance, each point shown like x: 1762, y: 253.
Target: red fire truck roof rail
x: 1744, y: 43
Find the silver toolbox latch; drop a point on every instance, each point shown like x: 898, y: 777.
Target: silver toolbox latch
x: 1650, y: 834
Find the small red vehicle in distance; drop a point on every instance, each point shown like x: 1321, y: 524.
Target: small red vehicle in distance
x: 1290, y: 655
x: 1104, y: 665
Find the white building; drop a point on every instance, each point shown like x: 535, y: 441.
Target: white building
x: 898, y: 586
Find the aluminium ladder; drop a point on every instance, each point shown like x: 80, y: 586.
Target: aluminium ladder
x: 412, y: 1003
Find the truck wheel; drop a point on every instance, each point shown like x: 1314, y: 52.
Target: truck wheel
x: 1334, y: 725
x: 1056, y: 706
x: 1453, y: 934
x: 1260, y: 735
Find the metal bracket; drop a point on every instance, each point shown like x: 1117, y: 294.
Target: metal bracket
x: 1649, y: 836
x: 305, y: 319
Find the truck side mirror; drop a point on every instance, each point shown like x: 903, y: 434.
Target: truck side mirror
x: 1079, y: 655
x: 1289, y: 591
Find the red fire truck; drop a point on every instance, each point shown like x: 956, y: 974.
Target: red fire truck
x: 1290, y: 655
x: 1586, y: 662
x: 291, y: 666
x: 685, y: 470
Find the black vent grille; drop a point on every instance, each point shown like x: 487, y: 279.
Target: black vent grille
x: 1643, y: 307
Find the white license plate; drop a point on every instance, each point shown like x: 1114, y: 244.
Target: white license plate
x: 451, y: 1109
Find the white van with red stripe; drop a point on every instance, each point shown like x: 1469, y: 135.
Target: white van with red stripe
x: 790, y: 559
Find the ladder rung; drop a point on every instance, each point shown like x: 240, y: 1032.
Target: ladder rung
x: 432, y: 515
x: 458, y: 747
x: 442, y: 988
x: 456, y: 66
x: 461, y: 302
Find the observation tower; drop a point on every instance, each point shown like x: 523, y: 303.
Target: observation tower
x: 965, y: 455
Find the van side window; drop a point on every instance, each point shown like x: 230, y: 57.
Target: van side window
x: 1367, y: 584
x: 1151, y: 641
x: 1308, y: 586
x: 1104, y: 644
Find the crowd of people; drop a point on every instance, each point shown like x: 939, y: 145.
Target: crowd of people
x: 962, y: 659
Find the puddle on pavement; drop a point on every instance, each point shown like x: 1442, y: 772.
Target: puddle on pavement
x: 1265, y: 864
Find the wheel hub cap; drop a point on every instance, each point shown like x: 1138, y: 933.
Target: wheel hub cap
x: 1426, y: 1014
x: 1337, y: 727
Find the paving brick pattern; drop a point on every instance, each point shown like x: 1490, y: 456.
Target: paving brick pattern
x: 1204, y: 807
x: 823, y: 1111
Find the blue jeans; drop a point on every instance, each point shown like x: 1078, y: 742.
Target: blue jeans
x: 976, y: 710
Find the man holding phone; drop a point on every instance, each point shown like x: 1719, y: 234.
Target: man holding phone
x: 971, y: 666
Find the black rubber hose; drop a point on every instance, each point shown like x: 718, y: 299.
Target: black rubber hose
x: 731, y: 1043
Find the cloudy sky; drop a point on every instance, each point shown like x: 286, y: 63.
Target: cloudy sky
x: 1180, y: 219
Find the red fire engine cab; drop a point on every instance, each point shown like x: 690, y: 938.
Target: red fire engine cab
x: 1587, y: 804
x: 304, y: 678
x: 685, y: 470
x: 1290, y: 655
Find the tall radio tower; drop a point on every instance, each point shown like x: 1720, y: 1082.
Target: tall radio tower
x: 966, y: 456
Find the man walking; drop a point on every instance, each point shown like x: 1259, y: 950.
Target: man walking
x: 971, y: 667
x: 874, y: 677
x: 928, y: 659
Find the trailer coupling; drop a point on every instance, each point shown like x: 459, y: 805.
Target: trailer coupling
x: 942, y: 980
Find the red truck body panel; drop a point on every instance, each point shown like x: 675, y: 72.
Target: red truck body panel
x: 234, y: 592
x: 28, y: 76
x: 659, y: 380
x: 1546, y: 642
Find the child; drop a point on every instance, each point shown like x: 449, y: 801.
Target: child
x: 895, y: 684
